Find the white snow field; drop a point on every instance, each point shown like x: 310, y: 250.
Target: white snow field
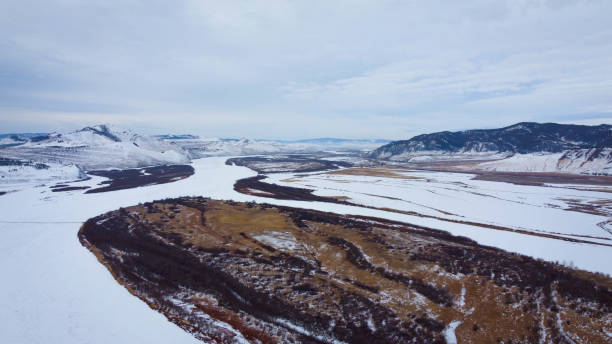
x: 580, y: 161
x: 456, y: 197
x: 55, y: 291
x: 38, y: 173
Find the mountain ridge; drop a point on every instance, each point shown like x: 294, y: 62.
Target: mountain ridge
x: 523, y: 138
x: 98, y: 147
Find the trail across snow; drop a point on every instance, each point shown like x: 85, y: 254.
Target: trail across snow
x: 55, y: 291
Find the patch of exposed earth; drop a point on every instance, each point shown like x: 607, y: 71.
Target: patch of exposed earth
x: 291, y: 163
x: 136, y: 177
x: 244, y: 272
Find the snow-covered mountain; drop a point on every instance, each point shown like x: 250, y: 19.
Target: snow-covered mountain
x: 12, y: 140
x: 201, y: 147
x: 16, y: 171
x: 523, y: 147
x: 98, y: 147
x: 581, y: 161
x: 219, y: 147
x: 521, y: 138
x: 106, y: 146
x: 22, y: 136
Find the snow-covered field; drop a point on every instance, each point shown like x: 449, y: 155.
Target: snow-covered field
x: 37, y: 173
x: 579, y: 161
x: 456, y: 196
x: 202, y: 147
x: 55, y: 291
x: 440, y: 155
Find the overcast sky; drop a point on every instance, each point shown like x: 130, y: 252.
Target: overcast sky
x: 300, y: 69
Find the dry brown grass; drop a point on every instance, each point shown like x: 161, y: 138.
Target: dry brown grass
x: 490, y: 312
x: 374, y: 172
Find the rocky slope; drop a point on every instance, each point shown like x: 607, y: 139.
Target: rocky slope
x: 519, y: 138
x: 98, y: 147
x: 594, y: 161
x: 523, y: 147
x: 18, y: 171
x: 242, y: 272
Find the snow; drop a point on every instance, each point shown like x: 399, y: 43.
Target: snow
x: 438, y: 155
x: 27, y: 174
x: 461, y: 302
x: 55, y: 291
x: 456, y: 197
x: 560, y: 323
x: 100, y: 147
x: 278, y: 240
x: 573, y: 161
x: 499, y: 203
x: 306, y: 332
x: 10, y: 141
x: 237, y: 335
x: 371, y: 325
x: 202, y: 147
x: 449, y: 332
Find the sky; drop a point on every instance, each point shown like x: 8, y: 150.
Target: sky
x: 303, y: 69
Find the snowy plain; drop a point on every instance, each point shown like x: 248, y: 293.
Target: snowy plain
x: 457, y: 196
x: 55, y: 291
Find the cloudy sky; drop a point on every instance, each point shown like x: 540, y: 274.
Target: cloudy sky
x: 300, y: 69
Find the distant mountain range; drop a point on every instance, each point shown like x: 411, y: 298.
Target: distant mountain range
x: 95, y: 147
x: 520, y: 138
x: 23, y: 136
x: 107, y: 146
x: 9, y: 140
x: 531, y: 147
x: 333, y: 141
x: 202, y: 147
x: 527, y: 146
x: 318, y: 141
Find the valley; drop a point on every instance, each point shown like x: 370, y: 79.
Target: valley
x: 298, y: 172
x: 309, y: 247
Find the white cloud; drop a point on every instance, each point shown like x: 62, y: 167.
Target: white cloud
x: 357, y: 65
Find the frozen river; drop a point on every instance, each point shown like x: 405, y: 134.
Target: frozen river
x: 55, y: 291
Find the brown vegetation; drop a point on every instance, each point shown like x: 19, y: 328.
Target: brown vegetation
x: 374, y: 172
x: 135, y: 177
x: 254, y: 186
x: 272, y: 274
x: 290, y: 163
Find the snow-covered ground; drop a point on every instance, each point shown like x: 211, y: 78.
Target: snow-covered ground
x: 12, y: 175
x: 438, y: 155
x: 11, y: 140
x: 206, y: 147
x: 99, y: 147
x: 580, y: 161
x: 55, y: 291
x: 456, y: 196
